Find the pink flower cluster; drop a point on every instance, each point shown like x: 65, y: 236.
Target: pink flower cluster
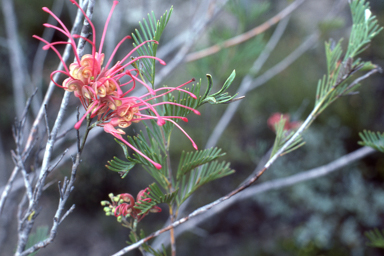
x: 126, y: 206
x: 99, y: 88
x: 288, y: 126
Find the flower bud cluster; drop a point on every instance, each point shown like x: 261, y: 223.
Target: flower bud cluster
x: 124, y: 206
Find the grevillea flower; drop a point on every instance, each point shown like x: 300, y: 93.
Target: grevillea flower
x: 99, y: 89
x: 275, y: 118
x: 124, y: 205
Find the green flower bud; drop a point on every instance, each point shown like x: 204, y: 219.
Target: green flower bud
x: 104, y: 203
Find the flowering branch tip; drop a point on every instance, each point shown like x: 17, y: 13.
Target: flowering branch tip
x: 98, y: 86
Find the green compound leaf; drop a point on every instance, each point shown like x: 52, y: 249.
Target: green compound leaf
x: 191, y: 160
x: 184, y: 99
x: 220, y: 97
x: 150, y: 30
x: 373, y: 140
x: 147, y: 248
x: 340, y: 69
x: 376, y: 238
x: 120, y: 166
x: 198, y: 177
x: 282, y: 136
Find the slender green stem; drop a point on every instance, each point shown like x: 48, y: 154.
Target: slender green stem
x: 171, y: 189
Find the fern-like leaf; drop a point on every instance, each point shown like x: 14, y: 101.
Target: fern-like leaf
x: 150, y: 30
x: 184, y: 99
x: 147, y: 248
x: 376, y: 238
x: 220, y: 97
x: 373, y: 140
x: 282, y: 136
x: 198, y: 177
x: 120, y: 166
x: 334, y: 84
x: 191, y: 160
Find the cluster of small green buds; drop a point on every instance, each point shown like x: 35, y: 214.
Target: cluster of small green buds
x: 123, y: 206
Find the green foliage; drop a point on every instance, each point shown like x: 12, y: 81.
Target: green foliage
x: 339, y: 70
x: 373, y: 140
x: 221, y: 96
x: 198, y: 177
x: 191, y: 160
x: 334, y: 85
x: 157, y: 136
x: 41, y: 234
x: 332, y: 24
x: 174, y: 110
x: 120, y: 166
x: 364, y: 28
x: 239, y: 56
x: 282, y: 136
x: 134, y: 238
x: 150, y: 32
x: 157, y: 197
x: 376, y: 238
x: 245, y: 12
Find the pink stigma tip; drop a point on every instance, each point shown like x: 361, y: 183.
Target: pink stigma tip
x: 162, y: 62
x: 196, y: 112
x: 160, y: 122
x: 184, y: 119
x: 77, y: 125
x: 46, y: 47
x: 158, y: 166
x: 194, y: 146
x: 45, y: 9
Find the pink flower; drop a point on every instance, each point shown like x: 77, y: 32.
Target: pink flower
x: 127, y: 207
x: 99, y: 88
x: 275, y: 118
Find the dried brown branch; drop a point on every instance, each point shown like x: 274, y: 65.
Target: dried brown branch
x: 245, y: 36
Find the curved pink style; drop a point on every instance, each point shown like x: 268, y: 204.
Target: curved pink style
x: 99, y: 89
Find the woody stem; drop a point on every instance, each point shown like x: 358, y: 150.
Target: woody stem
x: 170, y: 190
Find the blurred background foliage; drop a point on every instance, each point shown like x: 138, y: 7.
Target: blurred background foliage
x: 326, y: 216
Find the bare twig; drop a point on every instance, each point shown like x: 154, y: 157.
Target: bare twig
x: 245, y: 36
x: 277, y: 184
x: 38, y: 61
x: 27, y: 221
x: 17, y: 133
x: 197, y: 28
x: 15, y: 53
x: 249, y: 84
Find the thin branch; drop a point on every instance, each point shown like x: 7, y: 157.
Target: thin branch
x: 248, y: 83
x: 278, y: 184
x: 196, y: 29
x: 275, y: 184
x: 7, y: 188
x: 18, y: 128
x: 40, y: 56
x: 15, y: 53
x: 248, y: 80
x: 245, y: 36
x: 27, y: 222
x: 46, y: 122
